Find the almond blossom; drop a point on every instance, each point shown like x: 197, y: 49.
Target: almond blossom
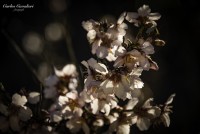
x: 105, y: 37
x: 63, y: 81
x: 144, y: 17
x: 110, y: 99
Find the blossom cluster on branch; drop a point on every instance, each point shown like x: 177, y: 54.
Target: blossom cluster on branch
x: 108, y: 102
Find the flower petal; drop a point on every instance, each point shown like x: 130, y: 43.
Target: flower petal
x: 154, y: 16
x: 143, y: 123
x: 170, y: 99
x: 107, y: 86
x: 131, y: 104
x: 95, y: 106
x: 25, y: 113
x: 165, y: 119
x: 91, y: 35
x: 34, y: 97
x: 123, y: 129
x: 131, y: 16
x: 19, y: 100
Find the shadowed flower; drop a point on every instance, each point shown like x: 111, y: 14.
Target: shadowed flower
x: 144, y: 17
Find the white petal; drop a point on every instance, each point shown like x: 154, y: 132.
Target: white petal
x: 87, y: 25
x: 143, y: 123
x: 147, y: 103
x: 106, y: 109
x: 69, y: 69
x: 148, y: 48
x: 95, y: 106
x: 73, y: 83
x: 111, y: 118
x: 144, y: 11
x: 107, y: 86
x: 135, y: 53
x: 133, y: 119
x: 25, y: 113
x: 126, y: 82
x: 170, y: 99
x: 98, y: 122
x: 101, y: 68
x: 78, y: 111
x: 62, y: 100
x: 131, y: 16
x: 34, y: 97
x: 131, y: 104
x: 120, y: 51
x: 154, y: 112
x: 111, y: 57
x: 113, y: 103
x: 91, y: 35
x: 153, y: 65
x: 138, y: 83
x: 144, y: 63
x: 72, y: 95
x: 123, y: 129
x: 154, y: 16
x: 56, y: 117
x: 85, y: 97
x: 92, y: 62
x: 118, y: 62
x: 166, y: 120
x: 122, y: 27
x: 102, y: 52
x: 120, y: 92
x: 95, y: 45
x: 19, y: 100
x: 136, y: 71
x: 85, y: 64
x: 121, y: 18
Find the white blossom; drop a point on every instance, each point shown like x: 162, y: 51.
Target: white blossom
x: 19, y: 100
x: 145, y: 114
x: 143, y: 11
x: 34, y: 97
x: 104, y: 37
x: 132, y: 59
x: 68, y: 70
x: 167, y: 110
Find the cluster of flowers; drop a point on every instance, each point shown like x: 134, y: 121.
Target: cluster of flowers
x: 108, y: 102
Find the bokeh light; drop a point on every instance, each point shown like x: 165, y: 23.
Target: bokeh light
x: 58, y: 6
x: 54, y: 31
x: 43, y: 71
x: 32, y: 43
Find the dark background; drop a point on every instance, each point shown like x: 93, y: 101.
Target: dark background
x: 178, y: 60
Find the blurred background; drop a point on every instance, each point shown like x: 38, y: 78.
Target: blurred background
x: 50, y: 34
